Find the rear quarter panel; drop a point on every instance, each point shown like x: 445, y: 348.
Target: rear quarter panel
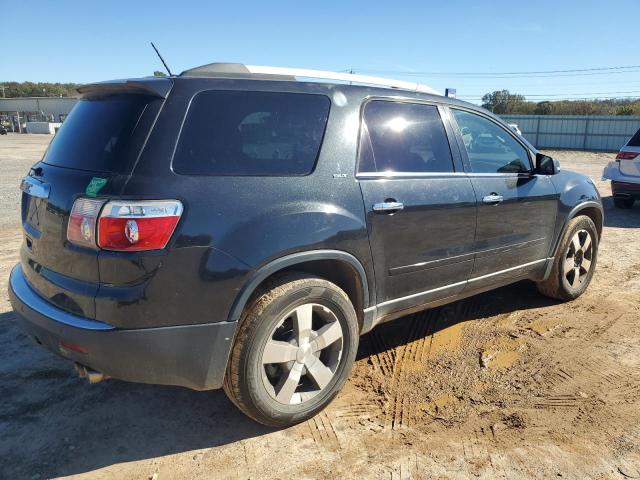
x: 231, y: 226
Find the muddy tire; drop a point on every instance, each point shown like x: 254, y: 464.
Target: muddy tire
x: 294, y: 349
x: 623, y: 202
x: 574, y: 262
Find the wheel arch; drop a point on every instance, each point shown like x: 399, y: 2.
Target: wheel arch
x: 336, y: 266
x: 591, y: 209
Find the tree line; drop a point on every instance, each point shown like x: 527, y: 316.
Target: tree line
x: 37, y: 89
x: 503, y: 102
x: 499, y: 102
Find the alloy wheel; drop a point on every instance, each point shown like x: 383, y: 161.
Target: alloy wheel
x: 302, y: 354
x: 578, y: 259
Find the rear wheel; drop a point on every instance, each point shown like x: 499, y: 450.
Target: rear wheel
x: 295, y: 346
x: 623, y: 202
x: 575, y: 261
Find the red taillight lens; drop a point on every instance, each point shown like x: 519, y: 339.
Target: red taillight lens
x: 626, y: 155
x: 135, y: 226
x: 81, y: 229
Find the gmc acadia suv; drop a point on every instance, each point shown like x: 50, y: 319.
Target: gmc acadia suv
x: 235, y: 227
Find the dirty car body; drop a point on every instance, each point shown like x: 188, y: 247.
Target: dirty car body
x: 436, y: 229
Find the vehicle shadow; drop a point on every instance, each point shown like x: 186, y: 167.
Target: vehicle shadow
x: 54, y: 424
x: 518, y: 296
x: 620, y: 218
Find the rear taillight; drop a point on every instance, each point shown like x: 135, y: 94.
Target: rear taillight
x: 135, y: 226
x: 123, y: 225
x: 626, y: 155
x: 82, y: 222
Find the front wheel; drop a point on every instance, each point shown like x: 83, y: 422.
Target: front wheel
x: 293, y: 352
x: 575, y: 261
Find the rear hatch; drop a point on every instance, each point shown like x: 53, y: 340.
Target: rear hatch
x: 629, y: 157
x: 92, y: 155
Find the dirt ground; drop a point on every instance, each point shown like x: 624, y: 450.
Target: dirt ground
x: 508, y: 384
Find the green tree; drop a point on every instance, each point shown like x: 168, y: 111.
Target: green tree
x: 38, y: 89
x: 625, y: 110
x: 543, y: 108
x: 502, y: 101
x: 158, y: 73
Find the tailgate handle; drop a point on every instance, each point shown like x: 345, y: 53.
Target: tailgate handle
x: 34, y: 187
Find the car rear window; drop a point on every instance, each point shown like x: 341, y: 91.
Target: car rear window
x: 635, y: 140
x: 98, y: 134
x: 251, y: 133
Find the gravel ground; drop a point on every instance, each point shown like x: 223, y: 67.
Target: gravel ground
x: 507, y: 384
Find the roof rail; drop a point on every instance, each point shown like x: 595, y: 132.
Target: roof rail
x: 281, y: 73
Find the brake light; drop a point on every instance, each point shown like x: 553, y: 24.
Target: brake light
x: 135, y: 226
x: 81, y: 229
x: 626, y: 155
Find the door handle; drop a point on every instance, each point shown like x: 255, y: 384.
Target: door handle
x: 492, y: 199
x: 388, y: 207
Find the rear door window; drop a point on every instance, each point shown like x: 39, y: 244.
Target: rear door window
x: 251, y: 133
x: 100, y: 134
x: 403, y: 137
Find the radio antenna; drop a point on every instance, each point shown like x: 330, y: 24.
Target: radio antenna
x: 162, y: 59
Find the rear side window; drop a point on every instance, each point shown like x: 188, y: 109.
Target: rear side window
x: 251, y: 133
x: 98, y: 134
x: 403, y: 137
x: 635, y: 140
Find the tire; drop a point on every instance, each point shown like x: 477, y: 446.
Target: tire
x: 623, y: 202
x: 309, y: 372
x: 576, y: 256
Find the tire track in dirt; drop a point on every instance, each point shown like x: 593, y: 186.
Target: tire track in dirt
x: 381, y: 353
x: 398, y: 411
x: 322, y: 431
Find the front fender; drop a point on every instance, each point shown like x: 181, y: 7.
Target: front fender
x: 577, y: 193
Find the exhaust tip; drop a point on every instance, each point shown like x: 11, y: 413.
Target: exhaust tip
x: 92, y: 376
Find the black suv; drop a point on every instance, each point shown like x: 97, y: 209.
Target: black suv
x: 237, y: 228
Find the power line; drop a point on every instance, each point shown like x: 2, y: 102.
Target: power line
x: 523, y: 74
x: 558, y: 99
x: 556, y: 94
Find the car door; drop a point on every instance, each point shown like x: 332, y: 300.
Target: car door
x: 517, y: 207
x: 421, y: 209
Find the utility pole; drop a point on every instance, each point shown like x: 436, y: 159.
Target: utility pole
x: 2, y: 87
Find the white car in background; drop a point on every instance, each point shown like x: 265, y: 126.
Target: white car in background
x: 624, y: 174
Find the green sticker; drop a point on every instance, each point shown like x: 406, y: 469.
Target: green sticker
x: 95, y: 185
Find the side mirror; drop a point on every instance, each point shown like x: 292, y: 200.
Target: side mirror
x: 546, y: 165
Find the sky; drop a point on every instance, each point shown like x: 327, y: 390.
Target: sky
x: 472, y: 46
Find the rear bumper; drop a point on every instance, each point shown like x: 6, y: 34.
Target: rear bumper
x: 193, y: 356
x: 625, y: 189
